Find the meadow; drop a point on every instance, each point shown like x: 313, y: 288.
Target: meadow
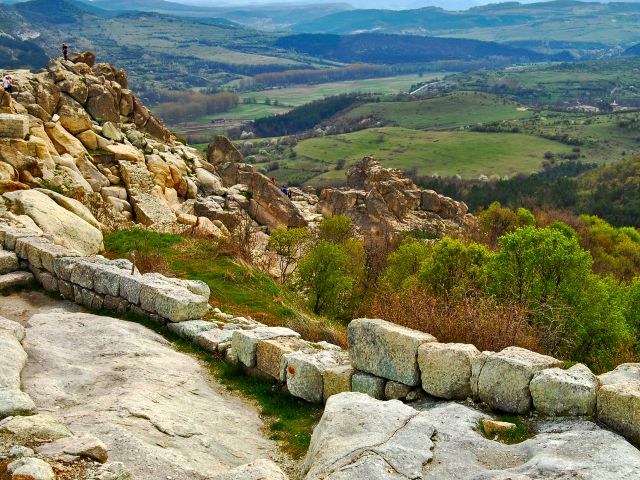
x: 441, y: 153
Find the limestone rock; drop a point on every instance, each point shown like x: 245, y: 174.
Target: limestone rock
x: 15, y: 402
x: 15, y: 279
x: 270, y: 355
x: 360, y: 438
x: 305, y: 371
x: 13, y: 328
x: 494, y: 427
x: 337, y: 380
x: 73, y: 205
x: 8, y: 262
x: 221, y: 150
x: 565, y: 392
x: 259, y: 470
x: 189, y: 329
x: 446, y: 369
x: 110, y: 131
x: 501, y: 380
x: 126, y: 152
x: 623, y: 373
x: 73, y: 117
x: 369, y: 384
x: 30, y: 468
x: 63, y: 141
x: 211, y: 339
x: 209, y: 183
x: 385, y: 349
x: 245, y: 342
x: 396, y: 391
x: 41, y: 426
x: 619, y: 408
x: 85, y: 445
x: 67, y: 229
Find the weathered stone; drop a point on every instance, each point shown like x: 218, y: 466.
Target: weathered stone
x: 619, y: 408
x: 305, y: 371
x: 73, y: 117
x: 337, y: 380
x: 564, y: 392
x: 110, y: 131
x: 30, y: 468
x: 13, y: 126
x: 66, y: 228
x: 245, y: 342
x: 18, y: 451
x: 8, y: 262
x: 259, y: 470
x: 386, y: 350
x: 15, y: 279
x: 370, y: 384
x: 396, y: 391
x: 359, y: 438
x: 221, y: 150
x: 41, y: 426
x: 210, y: 340
x: 126, y: 152
x: 13, y: 328
x: 270, y: 355
x: 15, y: 402
x: 177, y: 305
x: 446, y: 369
x: 189, y: 329
x: 209, y: 183
x: 623, y: 373
x: 73, y: 205
x: 85, y: 445
x: 501, y: 380
x: 494, y: 427
x: 63, y: 141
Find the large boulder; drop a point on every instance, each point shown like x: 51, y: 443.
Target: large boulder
x: 619, y: 408
x: 41, y: 426
x: 623, y: 373
x: 30, y: 468
x: 502, y: 379
x: 446, y: 369
x: 565, y: 392
x: 63, y: 141
x: 66, y: 228
x: 360, y: 438
x: 386, y: 350
x: 268, y: 205
x: 221, y: 150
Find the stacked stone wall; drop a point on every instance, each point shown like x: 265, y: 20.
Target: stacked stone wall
x: 13, y: 126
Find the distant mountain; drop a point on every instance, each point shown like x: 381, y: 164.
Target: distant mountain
x: 396, y: 49
x: 564, y: 20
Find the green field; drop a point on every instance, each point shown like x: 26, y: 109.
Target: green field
x: 449, y: 111
x: 468, y: 154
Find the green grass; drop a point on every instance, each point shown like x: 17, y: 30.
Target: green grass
x: 468, y: 154
x: 446, y: 112
x: 519, y: 434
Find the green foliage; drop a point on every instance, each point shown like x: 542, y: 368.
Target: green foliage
x: 403, y: 265
x: 454, y: 269
x: 497, y: 220
x: 288, y: 245
x: 324, y: 275
x: 519, y: 434
x: 335, y: 228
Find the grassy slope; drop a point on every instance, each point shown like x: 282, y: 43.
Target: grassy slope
x: 449, y: 111
x: 468, y: 154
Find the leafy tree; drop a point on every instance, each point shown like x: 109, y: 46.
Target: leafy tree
x: 404, y: 265
x: 288, y: 245
x: 335, y: 228
x: 324, y: 275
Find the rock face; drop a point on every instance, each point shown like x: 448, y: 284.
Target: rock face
x: 258, y: 470
x: 446, y: 369
x: 564, y: 392
x: 360, y: 438
x: 619, y: 407
x: 501, y: 380
x: 385, y: 349
x: 155, y: 410
x: 221, y: 150
x: 379, y: 199
x: 13, y: 401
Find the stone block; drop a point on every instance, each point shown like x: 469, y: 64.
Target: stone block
x: 396, y: 391
x: 13, y: 126
x: 565, y: 392
x: 189, y: 329
x: 370, y: 384
x: 15, y: 402
x: 210, y: 340
x: 337, y: 380
x: 386, y: 350
x: 8, y: 262
x: 179, y: 304
x: 48, y: 281
x: 501, y: 380
x: 16, y: 279
x: 270, y: 355
x: 305, y: 372
x: 30, y: 468
x: 244, y: 342
x: 66, y: 289
x: 446, y: 369
x: 623, y: 373
x: 619, y: 408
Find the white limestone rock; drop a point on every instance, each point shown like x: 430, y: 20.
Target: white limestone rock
x: 565, y: 392
x: 369, y: 384
x: 244, y: 342
x: 305, y: 371
x: 446, y: 369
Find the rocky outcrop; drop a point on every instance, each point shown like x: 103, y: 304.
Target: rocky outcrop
x: 221, y: 150
x: 380, y: 199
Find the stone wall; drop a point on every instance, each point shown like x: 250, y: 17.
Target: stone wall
x: 385, y: 361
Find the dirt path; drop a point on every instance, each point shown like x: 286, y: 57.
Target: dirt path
x: 157, y: 410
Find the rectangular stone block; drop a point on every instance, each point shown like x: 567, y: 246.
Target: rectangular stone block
x: 244, y: 342
x: 619, y: 408
x: 370, y: 384
x: 386, y: 350
x: 337, y: 380
x: 13, y: 125
x: 446, y: 369
x: 270, y: 355
x: 210, y: 340
x: 179, y: 304
x: 189, y: 329
x: 306, y: 368
x: 8, y: 262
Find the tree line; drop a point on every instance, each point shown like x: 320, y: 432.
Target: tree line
x: 180, y: 106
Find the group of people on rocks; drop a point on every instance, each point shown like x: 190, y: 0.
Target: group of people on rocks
x: 283, y: 189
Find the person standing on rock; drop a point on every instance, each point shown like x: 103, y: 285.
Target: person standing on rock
x: 284, y: 189
x: 7, y: 83
x: 65, y: 51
